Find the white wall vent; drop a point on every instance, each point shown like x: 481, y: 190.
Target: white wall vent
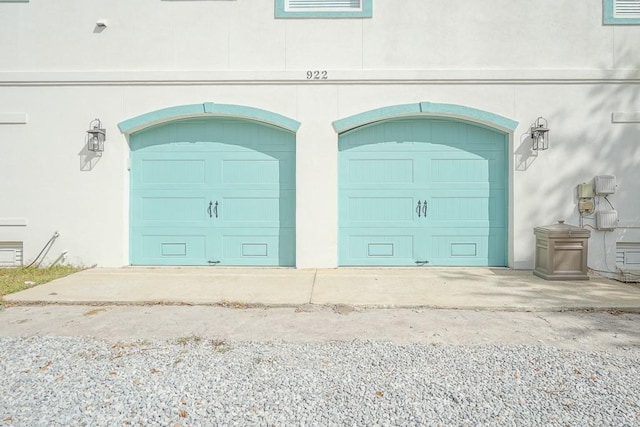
x: 10, y: 254
x: 605, y: 184
x: 607, y: 220
x: 628, y: 261
x: 626, y: 8
x: 628, y: 255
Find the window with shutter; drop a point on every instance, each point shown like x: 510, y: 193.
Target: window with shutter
x: 622, y: 12
x: 323, y: 8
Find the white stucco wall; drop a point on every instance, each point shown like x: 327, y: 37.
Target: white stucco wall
x: 62, y: 72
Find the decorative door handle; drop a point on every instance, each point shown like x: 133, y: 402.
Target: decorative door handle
x: 215, y: 209
x: 419, y: 208
x: 424, y: 209
x: 209, y: 208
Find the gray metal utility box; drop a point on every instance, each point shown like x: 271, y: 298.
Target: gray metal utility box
x: 561, y: 252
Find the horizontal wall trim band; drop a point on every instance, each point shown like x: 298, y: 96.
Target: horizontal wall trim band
x: 13, y: 222
x: 626, y: 117
x: 13, y: 118
x: 336, y: 77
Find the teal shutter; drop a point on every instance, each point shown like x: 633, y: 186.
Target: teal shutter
x: 213, y: 191
x: 417, y: 190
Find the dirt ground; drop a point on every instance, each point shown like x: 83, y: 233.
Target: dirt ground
x: 584, y: 331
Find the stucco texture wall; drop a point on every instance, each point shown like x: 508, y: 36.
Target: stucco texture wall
x: 514, y: 59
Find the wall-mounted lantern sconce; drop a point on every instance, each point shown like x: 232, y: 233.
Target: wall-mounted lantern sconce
x: 539, y: 135
x: 97, y: 136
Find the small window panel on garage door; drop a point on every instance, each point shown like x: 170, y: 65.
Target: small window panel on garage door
x: 622, y: 12
x: 213, y: 191
x: 423, y: 191
x: 323, y: 8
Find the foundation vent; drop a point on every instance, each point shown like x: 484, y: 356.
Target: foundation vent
x: 10, y: 254
x: 628, y: 261
x: 628, y: 255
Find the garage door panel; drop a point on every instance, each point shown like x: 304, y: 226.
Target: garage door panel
x: 250, y: 210
x: 391, y: 147
x: 174, y: 209
x: 473, y: 169
x: 235, y: 135
x: 257, y: 170
x: 271, y: 247
x: 229, y: 135
x: 371, y: 247
x: 170, y: 170
x: 270, y: 139
x: 454, y: 133
x: 174, y: 171
x: 467, y: 247
x: 466, y: 208
x: 188, y: 131
x: 381, y: 171
x: 378, y: 171
x: 238, y: 171
x: 402, y: 131
x: 173, y: 246
x: 451, y: 135
x: 397, y: 136
x: 445, y: 171
x: 157, y: 137
x: 381, y: 208
x: 458, y: 209
x: 255, y: 208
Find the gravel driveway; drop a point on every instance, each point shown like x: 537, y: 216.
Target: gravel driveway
x: 205, y: 378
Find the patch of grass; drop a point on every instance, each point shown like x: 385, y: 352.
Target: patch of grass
x: 220, y: 346
x: 20, y: 278
x: 94, y: 311
x: 191, y: 339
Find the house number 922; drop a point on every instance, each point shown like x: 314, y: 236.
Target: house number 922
x: 317, y: 75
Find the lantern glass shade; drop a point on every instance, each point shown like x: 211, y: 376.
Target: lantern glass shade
x: 539, y: 134
x: 96, y: 137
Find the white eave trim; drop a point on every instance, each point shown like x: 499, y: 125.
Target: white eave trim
x: 249, y: 77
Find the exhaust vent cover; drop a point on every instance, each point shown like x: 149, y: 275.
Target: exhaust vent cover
x: 605, y: 184
x: 607, y: 220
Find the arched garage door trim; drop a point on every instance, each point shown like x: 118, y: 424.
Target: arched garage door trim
x: 207, y: 109
x: 427, y: 109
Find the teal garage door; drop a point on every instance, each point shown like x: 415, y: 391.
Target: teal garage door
x: 423, y: 191
x: 212, y: 191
